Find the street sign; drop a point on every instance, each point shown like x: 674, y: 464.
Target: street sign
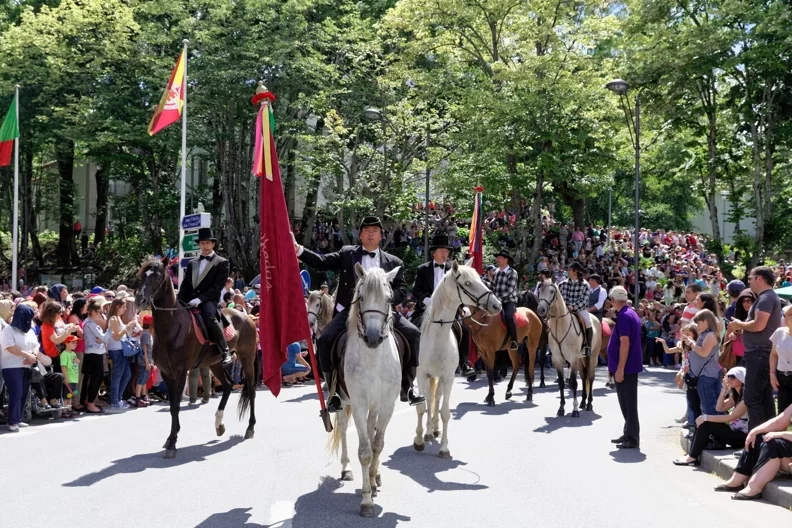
x: 195, y: 221
x: 306, y: 281
x: 188, y: 256
x: 190, y: 241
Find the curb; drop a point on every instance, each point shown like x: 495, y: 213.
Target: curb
x: 723, y: 462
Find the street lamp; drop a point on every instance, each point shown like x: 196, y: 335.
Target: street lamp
x: 375, y: 114
x: 621, y: 87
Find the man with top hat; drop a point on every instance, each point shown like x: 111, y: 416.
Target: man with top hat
x: 369, y: 255
x: 503, y: 283
x: 427, y: 278
x: 203, y: 281
x: 575, y: 292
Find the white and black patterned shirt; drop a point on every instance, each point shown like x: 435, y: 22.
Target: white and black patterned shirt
x: 504, y: 284
x: 575, y: 294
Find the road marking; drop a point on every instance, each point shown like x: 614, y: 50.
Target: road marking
x: 281, y: 515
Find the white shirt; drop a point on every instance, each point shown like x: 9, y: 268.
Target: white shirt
x: 439, y: 273
x: 603, y: 295
x: 202, y: 263
x: 783, y: 345
x: 369, y: 262
x: 9, y: 337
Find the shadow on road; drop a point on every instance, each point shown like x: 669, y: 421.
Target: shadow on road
x: 183, y: 408
x: 500, y: 408
x: 424, y: 467
x: 325, y: 507
x: 554, y: 423
x: 311, y: 396
x: 139, y: 463
x: 235, y: 517
x: 627, y: 456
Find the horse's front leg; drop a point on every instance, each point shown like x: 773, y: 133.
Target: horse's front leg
x: 573, y: 387
x: 221, y: 374
x: 515, y: 361
x: 418, y: 442
x: 377, y: 445
x: 175, y: 390
x: 489, y: 363
x: 343, y: 425
x: 360, y: 414
x: 542, y: 361
x: 560, y: 371
x: 445, y: 386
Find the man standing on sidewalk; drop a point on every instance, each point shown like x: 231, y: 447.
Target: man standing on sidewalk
x: 764, y: 318
x: 625, y: 363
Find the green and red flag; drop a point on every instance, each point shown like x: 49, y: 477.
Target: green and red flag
x: 9, y: 131
x: 170, y: 106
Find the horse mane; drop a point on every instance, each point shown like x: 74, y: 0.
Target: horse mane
x: 439, y: 302
x: 370, y: 284
x: 325, y: 306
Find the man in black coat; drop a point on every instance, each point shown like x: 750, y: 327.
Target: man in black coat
x: 369, y: 255
x: 427, y: 277
x: 203, y: 281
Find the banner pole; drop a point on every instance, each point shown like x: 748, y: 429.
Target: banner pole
x: 183, y: 199
x: 315, y: 368
x: 15, y: 230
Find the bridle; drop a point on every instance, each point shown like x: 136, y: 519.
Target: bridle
x: 387, y: 315
x: 549, y: 316
x: 476, y: 300
x: 156, y: 291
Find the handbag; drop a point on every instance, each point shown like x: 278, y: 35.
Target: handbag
x: 130, y: 348
x: 692, y: 381
x: 727, y: 359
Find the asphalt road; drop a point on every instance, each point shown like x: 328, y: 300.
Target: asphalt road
x: 514, y: 465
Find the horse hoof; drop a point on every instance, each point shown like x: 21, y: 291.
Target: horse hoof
x: 367, y: 511
x: 170, y: 454
x: 560, y: 413
x: 418, y: 447
x: 490, y: 403
x: 428, y: 437
x: 589, y: 407
x: 165, y: 445
x: 378, y: 481
x: 346, y: 475
x: 445, y: 455
x: 220, y: 430
x: 249, y: 434
x: 575, y: 414
x: 436, y: 434
x: 542, y: 385
x: 529, y: 397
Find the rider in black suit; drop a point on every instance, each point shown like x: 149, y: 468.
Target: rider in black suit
x: 203, y: 281
x: 369, y: 255
x: 427, y: 276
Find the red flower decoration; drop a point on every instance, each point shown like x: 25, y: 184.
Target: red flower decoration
x: 261, y: 96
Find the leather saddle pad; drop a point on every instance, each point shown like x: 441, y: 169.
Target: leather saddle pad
x: 337, y: 356
x: 519, y: 319
x: 199, y: 327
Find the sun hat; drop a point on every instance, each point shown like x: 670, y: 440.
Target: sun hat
x: 737, y: 372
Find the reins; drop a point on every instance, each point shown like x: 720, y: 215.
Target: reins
x: 155, y: 292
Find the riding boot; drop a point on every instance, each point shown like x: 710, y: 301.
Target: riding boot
x: 408, y: 392
x: 334, y: 403
x: 587, y: 344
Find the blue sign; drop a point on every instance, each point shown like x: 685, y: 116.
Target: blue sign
x: 306, y: 281
x: 195, y: 221
x: 183, y: 263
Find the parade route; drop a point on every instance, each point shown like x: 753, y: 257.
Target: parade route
x: 513, y: 465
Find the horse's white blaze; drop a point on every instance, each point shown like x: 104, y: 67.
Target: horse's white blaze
x: 149, y: 272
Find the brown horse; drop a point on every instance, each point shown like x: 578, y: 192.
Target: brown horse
x: 177, y: 350
x: 490, y: 336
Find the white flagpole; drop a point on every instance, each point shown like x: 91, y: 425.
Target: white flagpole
x: 183, y: 201
x: 15, y: 231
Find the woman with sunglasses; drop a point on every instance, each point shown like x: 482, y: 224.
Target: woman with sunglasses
x: 729, y: 429
x: 744, y: 302
x: 781, y: 360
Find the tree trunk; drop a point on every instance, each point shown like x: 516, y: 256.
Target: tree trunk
x: 29, y: 212
x: 758, y: 189
x: 536, y: 217
x: 712, y: 174
x: 102, y: 177
x: 67, y: 250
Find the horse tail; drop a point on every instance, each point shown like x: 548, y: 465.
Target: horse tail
x: 334, y: 442
x: 248, y: 393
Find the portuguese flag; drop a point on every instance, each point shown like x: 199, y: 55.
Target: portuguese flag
x: 9, y: 131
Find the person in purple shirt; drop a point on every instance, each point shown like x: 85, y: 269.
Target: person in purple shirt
x: 625, y: 362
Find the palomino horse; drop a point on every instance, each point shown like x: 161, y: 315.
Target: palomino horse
x: 566, y: 345
x: 440, y: 352
x: 490, y: 336
x: 372, y: 373
x: 320, y: 311
x: 177, y: 350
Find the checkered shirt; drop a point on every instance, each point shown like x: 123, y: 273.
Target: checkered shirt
x: 503, y: 285
x: 575, y: 294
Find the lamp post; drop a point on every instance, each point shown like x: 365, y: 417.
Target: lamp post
x: 621, y: 87
x: 375, y: 114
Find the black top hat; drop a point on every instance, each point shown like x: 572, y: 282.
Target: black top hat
x: 576, y: 266
x: 439, y: 241
x: 205, y: 233
x: 504, y: 253
x: 370, y: 221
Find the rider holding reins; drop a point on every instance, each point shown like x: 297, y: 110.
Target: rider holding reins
x: 503, y: 283
x: 575, y: 292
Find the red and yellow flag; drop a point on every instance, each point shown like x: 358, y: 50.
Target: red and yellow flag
x: 170, y: 107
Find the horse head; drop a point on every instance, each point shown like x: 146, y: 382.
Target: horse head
x: 153, y: 276
x: 548, y: 296
x: 471, y: 289
x: 371, y: 309
x: 320, y: 310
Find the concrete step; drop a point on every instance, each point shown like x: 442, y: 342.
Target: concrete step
x: 723, y: 462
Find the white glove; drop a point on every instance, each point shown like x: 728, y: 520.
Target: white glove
x: 195, y: 302
x: 427, y: 301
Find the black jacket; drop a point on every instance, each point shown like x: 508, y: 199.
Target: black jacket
x: 343, y: 262
x: 208, y: 288
x: 423, y: 286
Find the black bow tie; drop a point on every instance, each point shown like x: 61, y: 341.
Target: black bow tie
x: 436, y: 265
x: 204, y: 257
x: 370, y: 254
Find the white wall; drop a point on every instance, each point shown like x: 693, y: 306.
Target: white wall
x: 702, y: 224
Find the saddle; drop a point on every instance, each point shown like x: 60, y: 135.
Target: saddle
x: 519, y: 320
x: 200, y: 327
x: 337, y: 357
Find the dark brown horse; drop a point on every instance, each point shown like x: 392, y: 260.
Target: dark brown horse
x: 177, y: 350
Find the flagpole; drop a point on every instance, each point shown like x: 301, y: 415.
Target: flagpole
x: 15, y: 231
x: 183, y: 200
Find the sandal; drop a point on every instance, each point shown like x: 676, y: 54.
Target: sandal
x: 730, y: 489
x: 89, y: 411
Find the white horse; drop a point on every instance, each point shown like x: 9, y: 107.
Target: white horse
x: 372, y: 372
x: 320, y: 311
x: 439, y: 350
x: 565, y: 337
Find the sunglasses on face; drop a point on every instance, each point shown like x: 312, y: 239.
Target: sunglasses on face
x: 748, y: 300
x: 731, y: 377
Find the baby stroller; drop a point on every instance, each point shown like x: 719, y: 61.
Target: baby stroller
x: 33, y: 403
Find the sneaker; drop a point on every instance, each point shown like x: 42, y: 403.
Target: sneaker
x: 23, y: 425
x: 13, y: 428
x: 120, y: 406
x: 132, y: 400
